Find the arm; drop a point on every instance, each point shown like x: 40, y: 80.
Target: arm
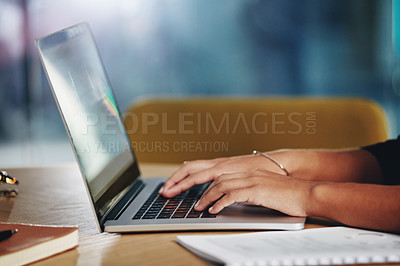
x: 354, y: 165
x: 361, y: 205
x: 330, y: 184
x: 336, y: 166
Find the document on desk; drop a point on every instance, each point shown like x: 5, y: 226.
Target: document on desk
x: 321, y: 246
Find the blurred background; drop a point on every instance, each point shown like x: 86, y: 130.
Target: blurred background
x: 184, y: 48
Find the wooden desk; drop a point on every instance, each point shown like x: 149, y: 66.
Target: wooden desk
x: 56, y: 196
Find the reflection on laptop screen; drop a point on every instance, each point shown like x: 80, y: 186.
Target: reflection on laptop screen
x: 85, y: 99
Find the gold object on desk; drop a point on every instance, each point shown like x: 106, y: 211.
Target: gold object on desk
x: 6, y: 178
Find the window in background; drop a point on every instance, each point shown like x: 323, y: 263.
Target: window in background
x: 191, y: 48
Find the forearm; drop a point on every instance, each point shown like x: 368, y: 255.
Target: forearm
x: 328, y: 165
x: 359, y: 205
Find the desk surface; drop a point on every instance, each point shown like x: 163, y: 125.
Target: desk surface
x: 56, y: 196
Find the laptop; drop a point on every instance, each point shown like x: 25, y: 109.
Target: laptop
x: 121, y: 200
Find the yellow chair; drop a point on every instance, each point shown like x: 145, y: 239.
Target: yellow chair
x: 177, y: 130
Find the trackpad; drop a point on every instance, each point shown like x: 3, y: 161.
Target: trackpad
x: 248, y: 210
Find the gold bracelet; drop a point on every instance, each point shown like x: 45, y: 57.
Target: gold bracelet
x: 273, y: 160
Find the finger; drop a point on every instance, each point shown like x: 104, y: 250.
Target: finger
x: 184, y: 170
x: 187, y: 176
x: 224, y: 168
x: 200, y: 177
x: 225, y: 176
x: 265, y: 171
x: 206, y: 172
x: 220, y: 189
x: 240, y: 195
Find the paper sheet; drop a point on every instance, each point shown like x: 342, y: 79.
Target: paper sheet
x: 333, y: 245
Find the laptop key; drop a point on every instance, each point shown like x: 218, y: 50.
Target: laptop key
x: 180, y: 214
x: 194, y: 214
x: 206, y: 214
x: 164, y: 215
x: 150, y: 216
x: 137, y: 216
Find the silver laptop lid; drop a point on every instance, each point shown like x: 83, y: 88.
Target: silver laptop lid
x: 87, y: 105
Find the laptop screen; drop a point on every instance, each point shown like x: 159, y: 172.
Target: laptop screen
x: 91, y: 117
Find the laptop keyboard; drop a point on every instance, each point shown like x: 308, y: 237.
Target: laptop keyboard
x: 180, y: 206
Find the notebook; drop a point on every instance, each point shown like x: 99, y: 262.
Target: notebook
x: 35, y: 242
x: 121, y: 199
x: 322, y: 246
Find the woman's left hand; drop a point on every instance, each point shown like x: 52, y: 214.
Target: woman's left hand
x: 259, y: 187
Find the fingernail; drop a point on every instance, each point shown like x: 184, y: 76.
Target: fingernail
x: 197, y: 205
x: 210, y: 209
x: 161, y: 190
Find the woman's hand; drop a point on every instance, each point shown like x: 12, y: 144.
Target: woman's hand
x: 203, y: 171
x: 337, y: 185
x: 260, y: 187
x: 323, y: 165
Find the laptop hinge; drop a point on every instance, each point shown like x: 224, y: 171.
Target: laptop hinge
x: 123, y: 203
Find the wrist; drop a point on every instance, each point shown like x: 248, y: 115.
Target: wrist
x: 273, y: 160
x: 312, y: 198
x: 288, y: 159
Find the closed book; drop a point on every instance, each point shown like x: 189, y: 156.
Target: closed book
x: 35, y: 242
